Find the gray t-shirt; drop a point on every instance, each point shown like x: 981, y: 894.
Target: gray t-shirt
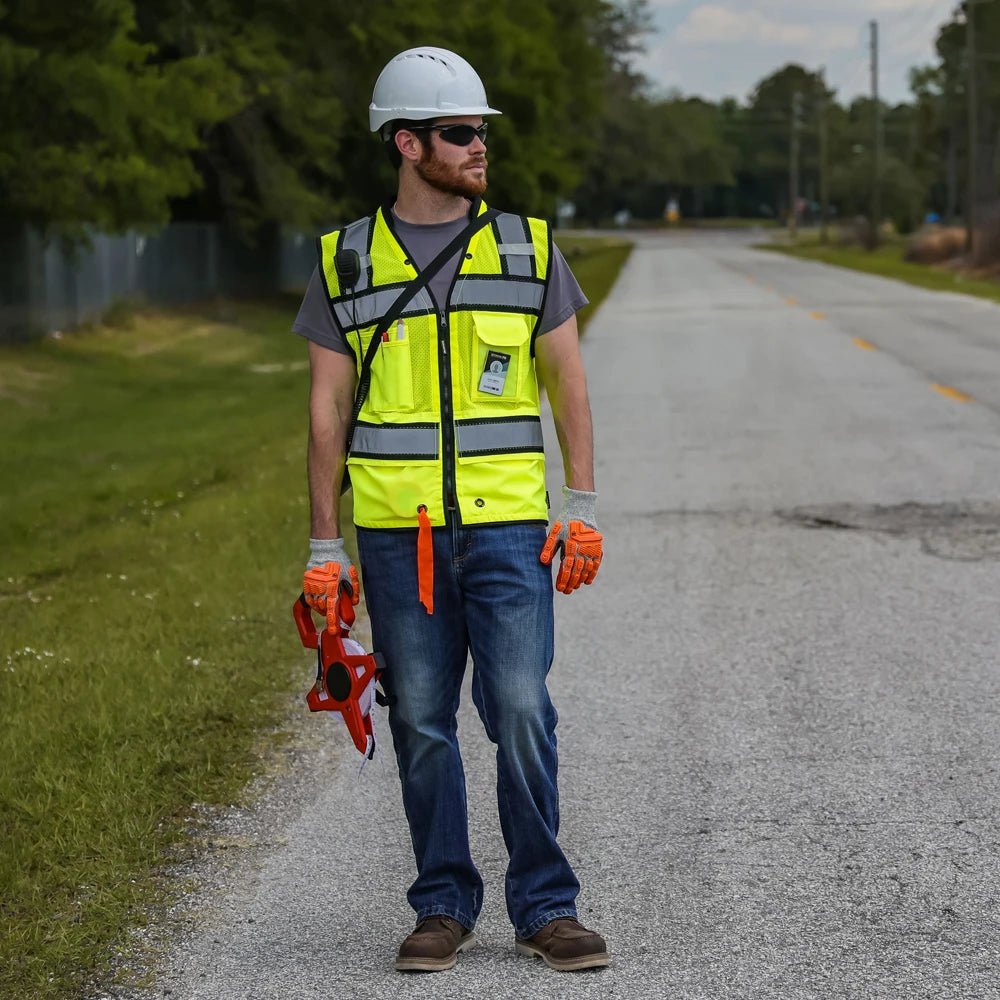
x: 316, y: 322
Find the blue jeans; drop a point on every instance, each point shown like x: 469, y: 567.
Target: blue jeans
x: 493, y: 598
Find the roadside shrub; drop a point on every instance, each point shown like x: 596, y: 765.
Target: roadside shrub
x: 856, y: 232
x: 936, y: 245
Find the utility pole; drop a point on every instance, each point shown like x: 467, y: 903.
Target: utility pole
x: 973, y: 95
x: 877, y: 140
x: 793, y: 167
x: 824, y: 164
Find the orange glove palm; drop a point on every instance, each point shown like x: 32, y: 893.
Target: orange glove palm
x: 328, y: 581
x: 581, y: 548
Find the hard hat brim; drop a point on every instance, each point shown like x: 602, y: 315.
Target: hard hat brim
x: 377, y: 117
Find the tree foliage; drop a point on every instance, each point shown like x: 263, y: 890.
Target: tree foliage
x: 122, y: 113
x: 127, y: 112
x: 95, y: 131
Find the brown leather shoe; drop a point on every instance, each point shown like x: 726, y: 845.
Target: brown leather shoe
x: 434, y: 945
x: 566, y: 945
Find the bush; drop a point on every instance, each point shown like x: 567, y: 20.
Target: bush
x: 936, y: 245
x: 856, y: 233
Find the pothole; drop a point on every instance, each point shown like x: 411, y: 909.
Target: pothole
x: 967, y: 531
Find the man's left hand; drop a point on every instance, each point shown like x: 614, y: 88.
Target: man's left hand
x: 582, y: 549
x: 329, y: 572
x: 575, y: 535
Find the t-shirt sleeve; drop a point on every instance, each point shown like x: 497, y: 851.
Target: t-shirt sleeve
x: 565, y: 296
x: 316, y: 321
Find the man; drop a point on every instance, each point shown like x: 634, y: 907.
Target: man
x: 450, y: 505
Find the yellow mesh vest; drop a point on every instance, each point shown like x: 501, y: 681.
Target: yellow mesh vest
x: 451, y: 421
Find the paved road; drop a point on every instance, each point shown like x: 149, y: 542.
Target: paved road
x: 779, y: 733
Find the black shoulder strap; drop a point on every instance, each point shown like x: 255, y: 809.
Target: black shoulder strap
x: 394, y: 311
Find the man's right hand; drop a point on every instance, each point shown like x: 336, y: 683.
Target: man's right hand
x: 328, y: 573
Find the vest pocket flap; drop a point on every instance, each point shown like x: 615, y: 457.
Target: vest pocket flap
x: 501, y: 329
x: 501, y: 357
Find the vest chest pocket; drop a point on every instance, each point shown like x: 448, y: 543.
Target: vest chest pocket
x: 392, y: 377
x: 501, y: 357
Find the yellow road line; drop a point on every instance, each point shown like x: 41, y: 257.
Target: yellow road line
x: 818, y: 315
x: 951, y: 393
x: 792, y: 301
x: 863, y: 344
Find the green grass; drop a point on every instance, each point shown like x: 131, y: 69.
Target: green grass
x: 887, y: 261
x: 730, y: 222
x: 153, y: 529
x: 596, y: 261
x: 153, y: 519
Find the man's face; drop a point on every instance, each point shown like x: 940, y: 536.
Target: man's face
x: 459, y: 170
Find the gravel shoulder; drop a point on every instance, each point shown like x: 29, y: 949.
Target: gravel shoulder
x: 778, y: 722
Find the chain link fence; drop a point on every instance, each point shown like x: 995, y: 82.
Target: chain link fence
x: 45, y: 286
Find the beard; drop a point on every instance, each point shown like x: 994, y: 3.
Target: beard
x: 451, y: 179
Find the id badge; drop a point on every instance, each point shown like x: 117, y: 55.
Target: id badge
x: 494, y: 375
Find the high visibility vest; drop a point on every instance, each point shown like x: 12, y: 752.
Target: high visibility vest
x: 451, y: 422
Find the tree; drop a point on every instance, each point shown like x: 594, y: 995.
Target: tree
x: 936, y: 118
x: 94, y: 132
x: 275, y: 157
x: 951, y: 47
x: 770, y: 119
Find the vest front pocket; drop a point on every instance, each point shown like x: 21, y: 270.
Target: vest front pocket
x: 392, y: 377
x: 501, y: 487
x: 500, y: 357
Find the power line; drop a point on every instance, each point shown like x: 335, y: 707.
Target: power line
x: 924, y: 28
x: 912, y: 26
x: 858, y: 67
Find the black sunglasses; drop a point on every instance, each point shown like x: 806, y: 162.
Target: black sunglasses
x: 457, y: 135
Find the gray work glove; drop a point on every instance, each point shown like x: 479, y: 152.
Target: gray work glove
x: 578, y: 505
x: 323, y: 579
x: 574, y: 533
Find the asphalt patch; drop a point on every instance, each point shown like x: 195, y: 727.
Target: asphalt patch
x: 961, y: 532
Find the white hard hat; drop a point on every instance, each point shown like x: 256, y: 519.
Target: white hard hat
x: 426, y: 82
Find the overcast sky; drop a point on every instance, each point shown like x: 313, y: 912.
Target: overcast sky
x: 723, y: 48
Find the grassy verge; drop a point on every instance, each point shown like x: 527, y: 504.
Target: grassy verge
x: 153, y: 520
x: 730, y: 222
x: 596, y: 261
x: 153, y: 517
x: 887, y: 261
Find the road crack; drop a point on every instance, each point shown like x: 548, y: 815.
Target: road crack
x: 960, y: 532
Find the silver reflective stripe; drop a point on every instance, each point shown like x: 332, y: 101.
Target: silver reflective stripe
x: 356, y: 238
x: 371, y: 306
x: 420, y: 303
x: 485, y: 437
x: 517, y: 249
x: 511, y: 230
x: 487, y: 292
x: 395, y: 440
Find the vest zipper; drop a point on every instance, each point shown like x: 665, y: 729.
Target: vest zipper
x: 450, y: 489
x: 447, y: 420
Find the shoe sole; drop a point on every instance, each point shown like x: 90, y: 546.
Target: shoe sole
x: 436, y: 964
x: 595, y: 961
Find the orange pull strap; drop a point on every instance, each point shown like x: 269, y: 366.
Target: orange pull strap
x: 425, y: 560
